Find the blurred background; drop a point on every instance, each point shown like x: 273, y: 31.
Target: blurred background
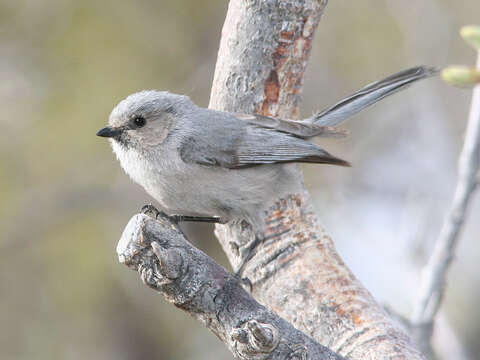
x: 64, y: 200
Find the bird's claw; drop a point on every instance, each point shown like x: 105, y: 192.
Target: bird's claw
x: 152, y: 211
x: 243, y: 280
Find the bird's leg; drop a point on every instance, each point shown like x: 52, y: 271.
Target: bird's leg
x: 205, y: 219
x: 151, y: 210
x: 251, y: 251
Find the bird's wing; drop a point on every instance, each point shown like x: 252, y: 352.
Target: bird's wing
x: 297, y: 128
x: 253, y: 146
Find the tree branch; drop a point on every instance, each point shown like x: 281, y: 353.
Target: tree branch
x: 296, y: 271
x: 435, y: 271
x: 195, y: 283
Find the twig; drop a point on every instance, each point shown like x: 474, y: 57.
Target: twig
x: 195, y: 283
x: 434, y: 273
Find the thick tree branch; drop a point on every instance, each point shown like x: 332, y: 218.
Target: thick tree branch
x: 296, y: 271
x: 434, y: 274
x: 195, y: 283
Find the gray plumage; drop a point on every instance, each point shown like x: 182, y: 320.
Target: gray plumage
x: 202, y: 162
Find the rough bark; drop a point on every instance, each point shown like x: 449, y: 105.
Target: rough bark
x: 296, y: 271
x: 195, y: 283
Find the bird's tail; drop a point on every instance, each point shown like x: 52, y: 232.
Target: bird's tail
x: 369, y: 95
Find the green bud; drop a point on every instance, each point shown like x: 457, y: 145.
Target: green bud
x: 461, y: 76
x: 471, y: 34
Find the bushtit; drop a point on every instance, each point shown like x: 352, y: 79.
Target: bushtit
x: 205, y: 163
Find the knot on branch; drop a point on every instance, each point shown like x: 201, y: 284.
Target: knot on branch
x: 172, y: 261
x: 159, y: 259
x: 169, y: 267
x: 255, y: 340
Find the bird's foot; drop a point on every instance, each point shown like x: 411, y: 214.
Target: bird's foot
x: 244, y: 281
x: 152, y: 211
x: 249, y: 255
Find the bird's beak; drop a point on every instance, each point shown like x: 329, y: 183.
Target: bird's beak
x: 109, y: 132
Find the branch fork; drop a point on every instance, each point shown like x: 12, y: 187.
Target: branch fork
x: 195, y: 283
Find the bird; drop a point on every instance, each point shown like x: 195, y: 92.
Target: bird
x: 208, y: 165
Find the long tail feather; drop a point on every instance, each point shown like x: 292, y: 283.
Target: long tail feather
x: 369, y: 95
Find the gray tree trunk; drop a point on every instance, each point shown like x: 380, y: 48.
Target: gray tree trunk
x: 296, y: 271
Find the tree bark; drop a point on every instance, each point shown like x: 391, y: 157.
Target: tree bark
x: 295, y: 271
x: 195, y: 283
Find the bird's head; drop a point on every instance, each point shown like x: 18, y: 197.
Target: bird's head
x: 145, y: 118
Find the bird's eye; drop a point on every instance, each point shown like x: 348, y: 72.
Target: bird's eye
x: 139, y: 121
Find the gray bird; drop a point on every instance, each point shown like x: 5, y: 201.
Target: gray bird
x: 211, y: 164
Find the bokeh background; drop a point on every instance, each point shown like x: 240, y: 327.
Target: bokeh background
x: 64, y: 200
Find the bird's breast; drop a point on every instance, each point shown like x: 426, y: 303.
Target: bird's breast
x: 193, y: 189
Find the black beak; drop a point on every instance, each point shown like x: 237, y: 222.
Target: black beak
x: 109, y: 132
